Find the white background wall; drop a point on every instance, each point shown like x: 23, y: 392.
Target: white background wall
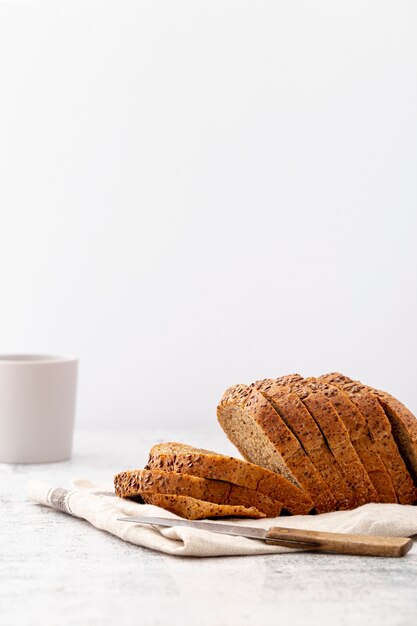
x: 194, y: 194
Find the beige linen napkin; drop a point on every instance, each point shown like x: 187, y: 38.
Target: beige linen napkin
x: 101, y: 508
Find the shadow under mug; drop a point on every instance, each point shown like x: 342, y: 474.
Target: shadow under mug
x: 37, y: 407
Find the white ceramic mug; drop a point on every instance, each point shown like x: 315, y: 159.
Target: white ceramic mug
x: 37, y: 407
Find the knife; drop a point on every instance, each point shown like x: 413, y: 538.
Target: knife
x: 314, y: 540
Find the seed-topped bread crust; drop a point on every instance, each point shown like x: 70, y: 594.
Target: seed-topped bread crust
x: 287, y: 402
x: 404, y: 428
x: 360, y: 437
x: 263, y: 437
x: 135, y: 483
x: 334, y: 434
x: 381, y: 433
x: 192, y: 508
x: 178, y: 457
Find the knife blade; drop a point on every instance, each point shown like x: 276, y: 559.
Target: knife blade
x: 214, y: 527
x: 318, y: 541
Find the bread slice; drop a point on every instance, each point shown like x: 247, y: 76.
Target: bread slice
x: 262, y: 437
x: 336, y: 436
x: 192, y: 508
x: 381, y: 433
x: 142, y: 482
x: 360, y: 437
x: 185, y: 459
x: 286, y: 401
x: 404, y: 428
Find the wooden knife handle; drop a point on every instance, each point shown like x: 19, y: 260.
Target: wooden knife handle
x: 341, y: 543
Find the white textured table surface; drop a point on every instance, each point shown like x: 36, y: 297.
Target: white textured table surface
x: 58, y: 570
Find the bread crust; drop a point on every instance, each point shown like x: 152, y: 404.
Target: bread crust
x: 404, y: 427
x: 381, y: 434
x: 359, y: 435
x: 287, y: 401
x: 193, y: 509
x: 336, y: 437
x: 182, y: 458
x: 136, y: 483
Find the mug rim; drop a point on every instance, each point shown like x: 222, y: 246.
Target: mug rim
x: 35, y: 358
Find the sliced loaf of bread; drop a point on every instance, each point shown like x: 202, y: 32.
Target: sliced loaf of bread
x: 186, y: 459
